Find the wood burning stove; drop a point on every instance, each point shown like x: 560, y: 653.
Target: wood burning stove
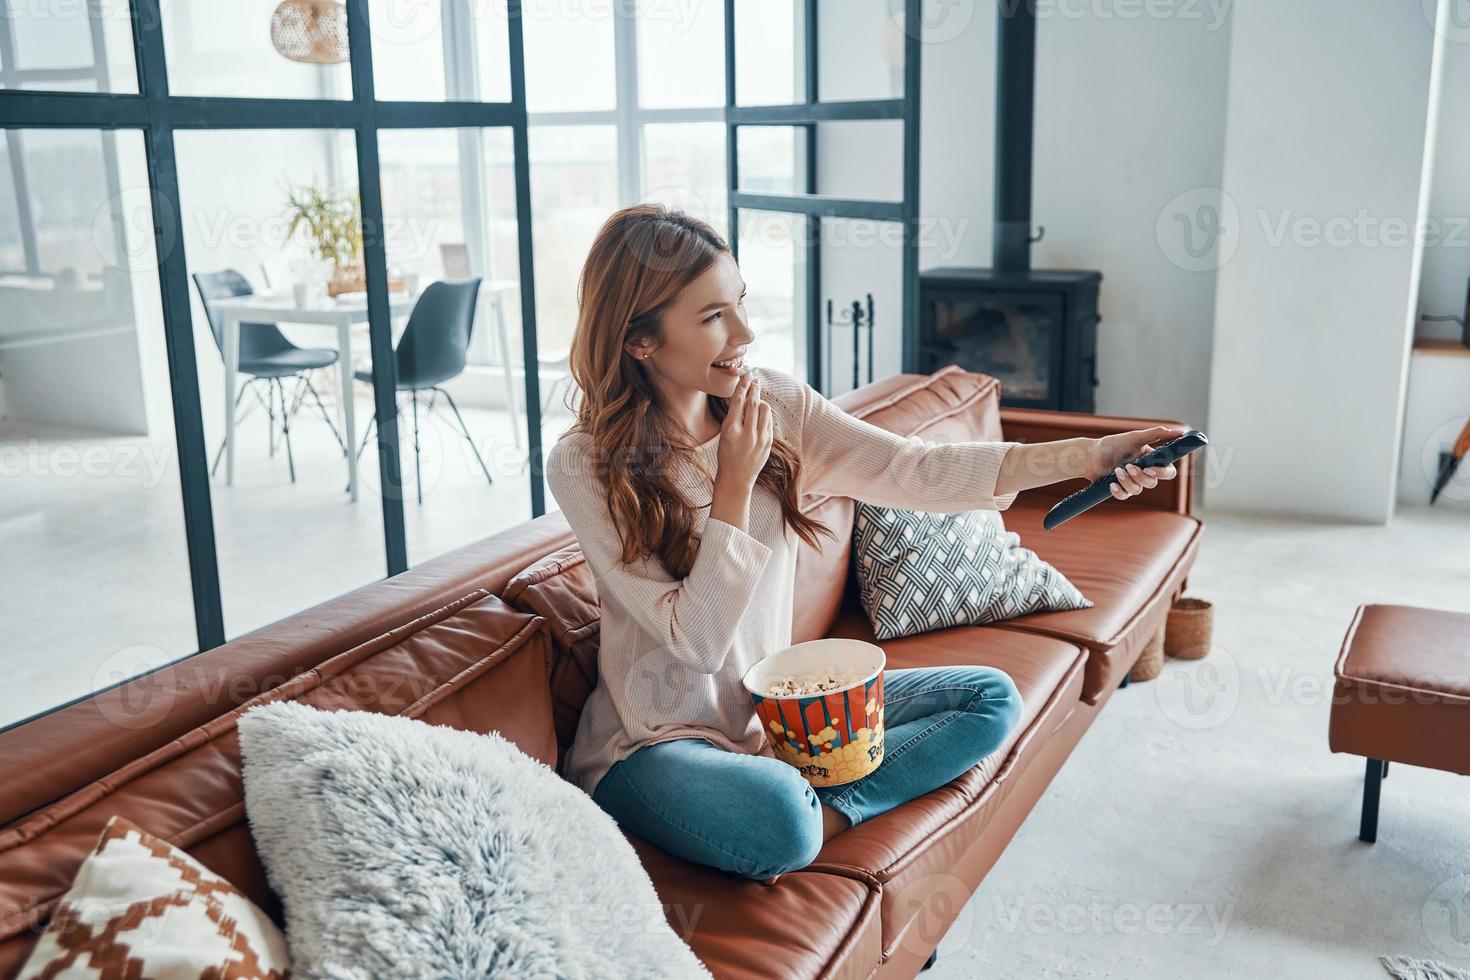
x: 1035, y: 330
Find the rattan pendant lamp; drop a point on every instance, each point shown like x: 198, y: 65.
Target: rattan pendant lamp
x: 311, y: 31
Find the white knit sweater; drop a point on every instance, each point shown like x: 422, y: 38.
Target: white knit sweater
x: 672, y: 652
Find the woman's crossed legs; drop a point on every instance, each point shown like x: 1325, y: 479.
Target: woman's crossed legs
x: 755, y: 816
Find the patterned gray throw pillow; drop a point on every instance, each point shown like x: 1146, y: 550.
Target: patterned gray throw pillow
x: 919, y: 571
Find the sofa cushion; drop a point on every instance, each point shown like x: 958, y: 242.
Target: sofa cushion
x: 561, y: 589
x: 805, y: 925
x: 906, y: 842
x: 474, y: 663
x: 1129, y: 561
x: 920, y: 571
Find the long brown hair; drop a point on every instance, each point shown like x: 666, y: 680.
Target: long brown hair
x: 642, y: 257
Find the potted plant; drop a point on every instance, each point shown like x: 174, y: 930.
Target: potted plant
x: 332, y: 226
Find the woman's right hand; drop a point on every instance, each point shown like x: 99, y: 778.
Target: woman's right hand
x: 746, y: 434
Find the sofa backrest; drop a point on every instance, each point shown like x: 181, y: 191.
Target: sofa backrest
x: 951, y: 405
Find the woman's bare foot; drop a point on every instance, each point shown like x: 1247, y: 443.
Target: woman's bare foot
x: 833, y: 823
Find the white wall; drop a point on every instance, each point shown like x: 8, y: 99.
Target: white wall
x: 1130, y: 113
x: 1326, y: 123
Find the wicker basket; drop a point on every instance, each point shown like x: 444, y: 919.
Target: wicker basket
x: 1151, y: 661
x: 1190, y: 625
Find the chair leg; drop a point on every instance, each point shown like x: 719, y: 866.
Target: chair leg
x: 372, y: 421
x: 325, y: 414
x: 270, y: 408
x: 468, y: 438
x: 286, y: 433
x: 418, y: 470
x: 1372, y: 777
x: 219, y: 453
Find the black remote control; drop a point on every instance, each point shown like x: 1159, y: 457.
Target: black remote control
x: 1095, y: 493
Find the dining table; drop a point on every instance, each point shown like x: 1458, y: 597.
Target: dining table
x: 339, y: 314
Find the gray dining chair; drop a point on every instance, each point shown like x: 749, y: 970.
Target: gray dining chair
x: 431, y: 351
x: 267, y: 357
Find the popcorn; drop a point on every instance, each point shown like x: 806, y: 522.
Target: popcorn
x: 801, y: 685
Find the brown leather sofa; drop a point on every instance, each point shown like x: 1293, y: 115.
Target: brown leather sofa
x: 501, y: 634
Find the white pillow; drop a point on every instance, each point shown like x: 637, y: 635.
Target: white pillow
x: 404, y: 849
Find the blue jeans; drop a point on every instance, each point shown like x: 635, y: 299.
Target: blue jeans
x: 756, y: 816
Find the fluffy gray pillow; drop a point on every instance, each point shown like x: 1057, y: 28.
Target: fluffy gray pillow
x: 404, y: 849
x: 919, y: 571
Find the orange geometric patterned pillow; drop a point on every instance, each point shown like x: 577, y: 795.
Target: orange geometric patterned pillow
x: 140, y: 907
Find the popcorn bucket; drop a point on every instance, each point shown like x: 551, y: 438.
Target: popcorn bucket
x: 831, y: 736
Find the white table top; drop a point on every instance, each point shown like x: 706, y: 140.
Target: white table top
x: 283, y: 307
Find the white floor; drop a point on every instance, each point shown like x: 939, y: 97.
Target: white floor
x: 1203, y: 829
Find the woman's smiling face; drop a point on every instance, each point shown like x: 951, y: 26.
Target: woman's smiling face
x: 704, y: 324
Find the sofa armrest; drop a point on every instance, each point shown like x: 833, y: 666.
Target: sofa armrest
x: 1044, y: 425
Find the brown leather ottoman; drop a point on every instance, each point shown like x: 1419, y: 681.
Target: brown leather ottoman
x: 1402, y: 693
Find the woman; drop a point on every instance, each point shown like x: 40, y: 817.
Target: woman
x: 681, y: 479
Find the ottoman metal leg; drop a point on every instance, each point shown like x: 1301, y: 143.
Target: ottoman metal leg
x: 1374, y: 770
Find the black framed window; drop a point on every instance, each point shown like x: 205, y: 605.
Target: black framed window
x: 154, y: 156
x: 845, y: 87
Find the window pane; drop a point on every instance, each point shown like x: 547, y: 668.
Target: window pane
x: 771, y: 159
x: 574, y: 188
x: 878, y: 143
x: 860, y: 48
x: 681, y: 54
x: 12, y: 248
x: 768, y: 52
x: 56, y: 162
x: 226, y: 49
x: 684, y: 167
x: 449, y: 213
x: 284, y: 544
x: 94, y: 587
x: 569, y: 56
x: 410, y: 60
x: 773, y: 261
x: 71, y: 47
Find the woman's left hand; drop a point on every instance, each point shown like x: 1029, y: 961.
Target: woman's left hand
x: 1111, y: 454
